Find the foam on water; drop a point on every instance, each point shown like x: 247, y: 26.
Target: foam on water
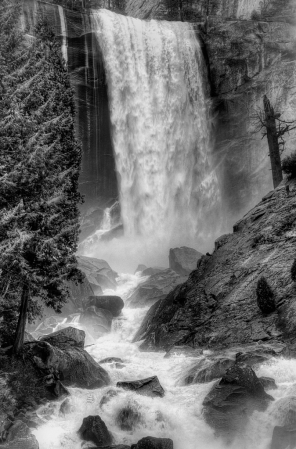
x: 178, y: 415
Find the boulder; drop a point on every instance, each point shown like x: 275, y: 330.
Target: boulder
x: 98, y: 272
x: 73, y: 365
x: 98, y: 321
x: 78, y: 295
x: 128, y: 418
x: 156, y: 287
x: 268, y: 383
x: 20, y: 437
x: 206, y: 370
x: 147, y: 387
x: 69, y: 336
x: 113, y: 304
x: 107, y: 397
x: 153, y: 443
x: 111, y: 360
x: 95, y: 430
x: 140, y: 268
x: 150, y: 271
x: 183, y: 260
x: 66, y: 407
x: 232, y: 399
x: 283, y: 438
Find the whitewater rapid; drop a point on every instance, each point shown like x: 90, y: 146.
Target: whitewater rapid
x: 177, y: 416
x: 161, y: 132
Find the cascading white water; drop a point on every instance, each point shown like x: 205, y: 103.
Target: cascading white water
x: 169, y: 191
x: 178, y: 415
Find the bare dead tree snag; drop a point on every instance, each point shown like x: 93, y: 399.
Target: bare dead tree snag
x: 20, y: 330
x: 274, y: 128
x: 273, y: 142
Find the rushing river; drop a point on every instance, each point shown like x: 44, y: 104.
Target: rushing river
x: 177, y: 416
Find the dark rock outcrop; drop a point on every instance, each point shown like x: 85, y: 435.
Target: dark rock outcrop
x: 72, y: 365
x: 19, y: 436
x: 153, y: 443
x: 234, y: 398
x: 113, y: 304
x: 208, y: 370
x: 128, y: 418
x: 98, y: 272
x: 156, y: 287
x: 214, y: 365
x: 94, y: 429
x: 268, y: 383
x: 183, y: 260
x: 217, y: 306
x: 69, y: 336
x: 147, y: 387
x: 140, y: 267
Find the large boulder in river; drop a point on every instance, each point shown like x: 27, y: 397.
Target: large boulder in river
x: 113, y: 304
x: 153, y: 443
x: 148, y: 387
x: 160, y: 282
x: 98, y: 321
x: 232, y: 399
x: 284, y: 415
x: 98, y: 272
x: 183, y: 260
x: 95, y: 430
x: 69, y: 336
x: 73, y: 365
x: 20, y: 437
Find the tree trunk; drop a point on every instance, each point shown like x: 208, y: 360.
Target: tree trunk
x: 20, y: 330
x: 273, y: 143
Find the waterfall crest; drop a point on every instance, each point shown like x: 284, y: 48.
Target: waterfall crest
x: 161, y: 129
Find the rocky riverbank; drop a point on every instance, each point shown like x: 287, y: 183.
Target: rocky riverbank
x: 217, y: 306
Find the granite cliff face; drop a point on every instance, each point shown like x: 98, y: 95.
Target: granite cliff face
x: 80, y: 48
x: 250, y: 50
x: 217, y: 306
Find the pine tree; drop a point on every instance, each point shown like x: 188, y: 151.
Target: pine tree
x: 39, y: 169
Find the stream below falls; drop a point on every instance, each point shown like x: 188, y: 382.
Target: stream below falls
x: 178, y: 415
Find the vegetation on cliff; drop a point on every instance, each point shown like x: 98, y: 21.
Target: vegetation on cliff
x: 39, y: 169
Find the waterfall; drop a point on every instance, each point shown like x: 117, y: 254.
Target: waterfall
x: 63, y: 33
x: 160, y: 128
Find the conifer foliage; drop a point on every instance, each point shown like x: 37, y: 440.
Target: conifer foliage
x: 39, y: 169
x: 265, y: 296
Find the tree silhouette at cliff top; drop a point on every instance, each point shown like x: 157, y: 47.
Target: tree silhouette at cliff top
x: 39, y: 169
x: 274, y: 128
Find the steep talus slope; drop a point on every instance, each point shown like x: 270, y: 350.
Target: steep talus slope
x: 217, y: 306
